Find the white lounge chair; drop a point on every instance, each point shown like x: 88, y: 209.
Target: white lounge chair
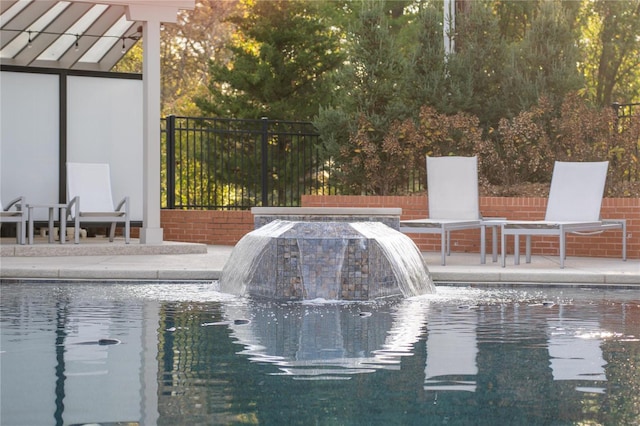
x: 16, y: 212
x: 90, y: 199
x: 452, y: 184
x: 575, y: 198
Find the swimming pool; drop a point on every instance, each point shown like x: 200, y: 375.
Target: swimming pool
x: 172, y: 354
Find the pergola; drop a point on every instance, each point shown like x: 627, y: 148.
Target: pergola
x: 95, y: 35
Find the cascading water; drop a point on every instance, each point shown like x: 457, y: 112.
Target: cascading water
x: 290, y: 260
x: 239, y: 269
x: 404, y: 257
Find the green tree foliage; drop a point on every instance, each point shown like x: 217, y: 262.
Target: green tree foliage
x: 514, y: 17
x: 132, y: 61
x: 370, y: 81
x: 198, y: 36
x: 187, y: 46
x: 513, y: 77
x: 373, y: 76
x: 610, y: 45
x: 543, y: 63
x: 425, y: 81
x: 282, y: 54
x: 495, y: 72
x: 476, y: 73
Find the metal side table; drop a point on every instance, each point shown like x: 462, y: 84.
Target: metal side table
x: 62, y: 209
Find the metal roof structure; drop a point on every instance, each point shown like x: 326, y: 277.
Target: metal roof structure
x: 65, y: 34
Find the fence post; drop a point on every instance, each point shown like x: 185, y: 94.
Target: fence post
x: 616, y: 108
x: 171, y: 161
x: 265, y: 162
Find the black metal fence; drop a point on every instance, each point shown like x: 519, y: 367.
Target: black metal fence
x: 233, y: 164
x: 236, y: 164
x: 624, y: 113
x: 625, y: 110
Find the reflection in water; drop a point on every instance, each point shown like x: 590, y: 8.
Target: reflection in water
x: 452, y: 349
x: 327, y: 340
x: 61, y: 353
x: 575, y: 351
x: 462, y: 356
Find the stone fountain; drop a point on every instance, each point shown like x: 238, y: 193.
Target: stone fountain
x: 334, y: 254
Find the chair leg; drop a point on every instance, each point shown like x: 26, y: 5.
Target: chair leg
x: 528, y: 248
x: 503, y: 248
x: 63, y: 225
x: 624, y: 240
x: 127, y: 232
x: 494, y: 243
x: 563, y: 248
x: 20, y: 233
x: 443, y: 244
x: 76, y: 231
x: 112, y: 232
x: 483, y: 251
x: 516, y: 249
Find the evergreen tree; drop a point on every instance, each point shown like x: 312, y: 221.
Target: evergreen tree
x: 475, y: 73
x: 370, y: 82
x: 425, y: 79
x: 543, y: 64
x: 282, y: 54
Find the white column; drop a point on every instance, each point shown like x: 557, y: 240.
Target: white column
x: 151, y: 13
x: 151, y: 232
x: 449, y: 27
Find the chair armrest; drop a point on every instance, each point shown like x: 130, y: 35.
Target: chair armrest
x: 20, y: 203
x: 124, y: 202
x: 75, y: 201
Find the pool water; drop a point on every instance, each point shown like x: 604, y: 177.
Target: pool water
x: 185, y: 354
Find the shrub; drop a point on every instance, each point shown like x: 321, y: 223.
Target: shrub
x: 521, y: 151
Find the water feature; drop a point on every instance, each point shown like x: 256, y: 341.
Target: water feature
x: 295, y: 260
x: 189, y: 354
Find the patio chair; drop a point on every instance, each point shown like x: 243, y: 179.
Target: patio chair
x: 90, y: 199
x: 452, y: 184
x: 575, y: 198
x: 16, y: 212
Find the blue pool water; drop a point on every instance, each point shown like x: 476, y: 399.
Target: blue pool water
x: 185, y: 354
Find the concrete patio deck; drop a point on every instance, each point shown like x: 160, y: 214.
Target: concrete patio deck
x: 97, y: 259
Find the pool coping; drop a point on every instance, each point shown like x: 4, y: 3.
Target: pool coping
x: 180, y: 262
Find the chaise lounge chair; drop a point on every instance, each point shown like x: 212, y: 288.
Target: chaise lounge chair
x: 90, y: 199
x: 575, y: 197
x: 16, y: 212
x: 452, y: 184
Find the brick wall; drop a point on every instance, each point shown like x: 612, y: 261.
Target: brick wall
x: 205, y: 226
x: 227, y: 227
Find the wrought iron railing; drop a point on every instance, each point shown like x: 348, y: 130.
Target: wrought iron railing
x: 625, y: 110
x: 231, y: 164
x: 236, y: 164
x: 624, y: 114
